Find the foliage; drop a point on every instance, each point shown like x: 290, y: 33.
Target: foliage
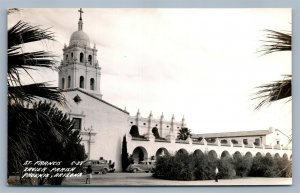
x: 124, y: 157
x: 283, y: 167
x: 20, y: 62
x: 242, y: 165
x: 226, y: 168
x: 134, y: 132
x: 184, y: 133
x: 183, y: 166
x: 36, y: 131
x: 275, y: 42
x: 156, y: 133
x: 178, y: 167
x: 196, y: 166
x: 263, y: 166
x: 204, y: 167
x: 45, y: 144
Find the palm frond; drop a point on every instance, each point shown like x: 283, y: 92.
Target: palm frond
x: 31, y: 92
x: 31, y: 59
x: 22, y: 33
x: 274, y: 91
x: 27, y: 61
x: 276, y: 41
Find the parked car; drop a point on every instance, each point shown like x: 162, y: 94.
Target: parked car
x: 142, y: 166
x: 98, y: 166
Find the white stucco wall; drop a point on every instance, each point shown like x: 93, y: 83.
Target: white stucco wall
x: 107, y: 122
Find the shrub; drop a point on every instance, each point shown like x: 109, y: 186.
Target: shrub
x: 283, y: 167
x: 226, y: 168
x: 163, y: 166
x: 204, y: 167
x: 198, y: 166
x: 243, y: 165
x: 263, y: 166
x: 183, y: 166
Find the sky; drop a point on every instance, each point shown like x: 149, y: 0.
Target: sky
x: 202, y: 64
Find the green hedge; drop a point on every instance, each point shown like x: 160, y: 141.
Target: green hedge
x: 183, y: 166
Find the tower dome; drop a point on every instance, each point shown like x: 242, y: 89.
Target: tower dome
x: 79, y: 38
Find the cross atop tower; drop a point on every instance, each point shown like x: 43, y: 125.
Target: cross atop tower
x: 80, y: 11
x: 80, y: 23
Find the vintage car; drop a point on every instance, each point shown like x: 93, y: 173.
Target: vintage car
x: 98, y: 166
x: 142, y: 166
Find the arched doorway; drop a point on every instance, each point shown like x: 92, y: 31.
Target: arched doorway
x: 225, y: 154
x: 182, y: 151
x: 258, y: 154
x: 139, y: 154
x: 198, y: 152
x: 161, y: 152
x: 248, y: 154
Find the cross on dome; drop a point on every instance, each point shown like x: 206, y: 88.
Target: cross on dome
x: 80, y: 23
x: 80, y: 11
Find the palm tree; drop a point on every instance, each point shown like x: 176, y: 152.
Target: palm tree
x: 21, y: 97
x: 271, y: 92
x: 184, y: 133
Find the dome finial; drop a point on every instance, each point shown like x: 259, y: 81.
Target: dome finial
x: 80, y: 23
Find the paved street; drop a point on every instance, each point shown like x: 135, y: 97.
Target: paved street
x: 146, y: 179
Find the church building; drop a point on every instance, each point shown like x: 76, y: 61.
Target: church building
x: 103, y: 125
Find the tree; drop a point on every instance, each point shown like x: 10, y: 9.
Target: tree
x: 22, y: 113
x: 156, y: 133
x: 280, y: 89
x: 124, y: 156
x: 134, y: 132
x: 184, y: 133
x: 69, y: 145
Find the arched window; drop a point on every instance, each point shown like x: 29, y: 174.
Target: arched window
x: 69, y: 81
x: 72, y: 55
x: 63, y: 83
x: 67, y: 57
x: 92, y: 84
x: 90, y: 59
x: 81, y: 82
x: 81, y: 57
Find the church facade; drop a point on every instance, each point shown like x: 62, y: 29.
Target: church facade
x: 103, y: 125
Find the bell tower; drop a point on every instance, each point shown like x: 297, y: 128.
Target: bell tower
x: 79, y: 67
